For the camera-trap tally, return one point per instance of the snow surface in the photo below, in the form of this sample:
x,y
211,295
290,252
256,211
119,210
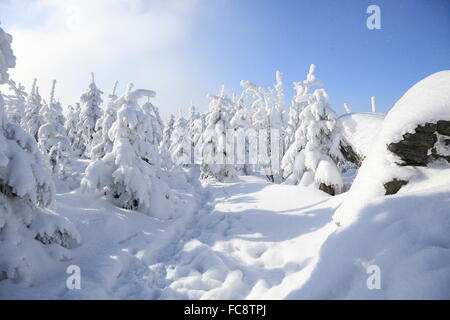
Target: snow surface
x,y
232,241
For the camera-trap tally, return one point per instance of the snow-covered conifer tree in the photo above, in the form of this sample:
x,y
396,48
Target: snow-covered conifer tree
x,y
196,128
216,163
267,120
167,133
277,125
180,147
102,142
32,119
155,121
194,116
71,124
53,134
15,103
241,123
27,226
299,102
52,111
128,174
89,115
309,160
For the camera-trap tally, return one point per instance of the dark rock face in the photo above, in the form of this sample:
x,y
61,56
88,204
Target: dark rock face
x,y
419,148
443,127
392,187
349,154
326,188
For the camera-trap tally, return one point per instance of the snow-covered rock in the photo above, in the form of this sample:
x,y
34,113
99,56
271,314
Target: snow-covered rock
x,y
383,172
355,133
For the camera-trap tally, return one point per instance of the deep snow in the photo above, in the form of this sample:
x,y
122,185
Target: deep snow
x,y
232,241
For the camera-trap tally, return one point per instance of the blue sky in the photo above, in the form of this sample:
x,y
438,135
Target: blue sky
x,y
260,37
185,49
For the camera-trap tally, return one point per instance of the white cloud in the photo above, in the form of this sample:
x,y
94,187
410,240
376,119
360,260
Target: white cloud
x,y
126,40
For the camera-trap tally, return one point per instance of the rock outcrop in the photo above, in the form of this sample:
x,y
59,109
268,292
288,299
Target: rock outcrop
x,y
429,142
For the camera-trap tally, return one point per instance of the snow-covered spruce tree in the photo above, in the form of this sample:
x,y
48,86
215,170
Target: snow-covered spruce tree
x,y
71,124
15,103
194,115
155,121
30,234
216,164
269,143
299,102
89,115
32,119
52,111
128,174
180,147
277,127
102,142
52,135
295,140
167,132
309,159
241,124
196,129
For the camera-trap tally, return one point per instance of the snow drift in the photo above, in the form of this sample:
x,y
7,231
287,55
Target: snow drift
x,y
405,235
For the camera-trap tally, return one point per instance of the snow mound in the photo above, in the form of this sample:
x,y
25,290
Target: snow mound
x,y
405,235
426,101
359,130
